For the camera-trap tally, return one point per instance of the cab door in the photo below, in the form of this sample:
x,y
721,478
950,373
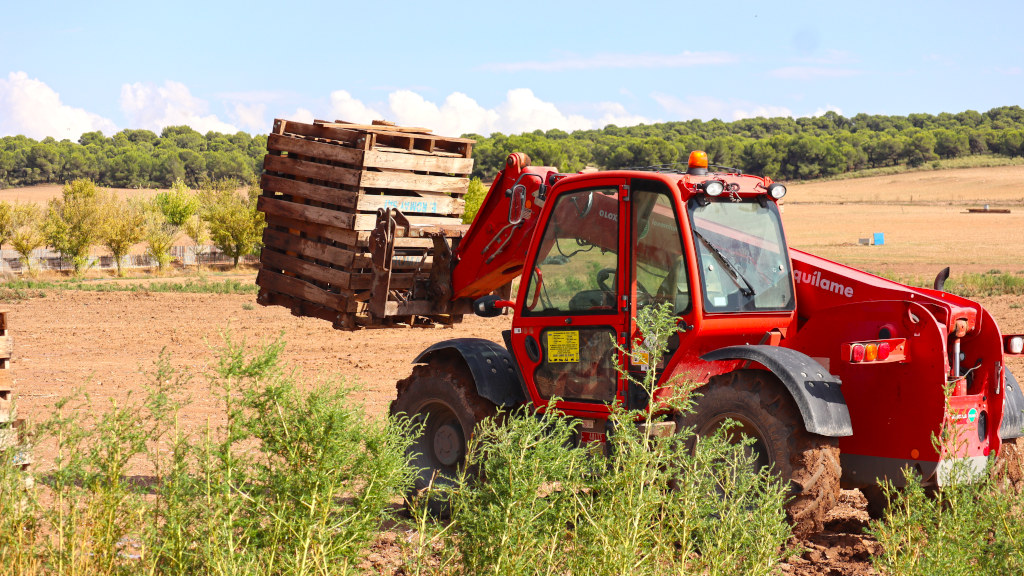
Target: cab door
x,y
659,274
574,306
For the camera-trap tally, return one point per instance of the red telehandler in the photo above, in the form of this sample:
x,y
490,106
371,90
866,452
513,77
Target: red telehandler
x,y
839,376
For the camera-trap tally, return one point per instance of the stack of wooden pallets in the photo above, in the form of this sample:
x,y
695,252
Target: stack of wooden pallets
x,y
10,424
325,186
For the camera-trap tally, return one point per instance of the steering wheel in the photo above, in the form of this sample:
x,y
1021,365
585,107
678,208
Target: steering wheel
x,y
602,279
643,297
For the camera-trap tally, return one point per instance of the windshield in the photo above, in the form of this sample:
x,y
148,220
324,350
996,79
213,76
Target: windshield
x,y
744,264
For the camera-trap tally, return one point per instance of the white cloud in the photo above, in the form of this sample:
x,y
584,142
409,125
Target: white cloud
x,y
598,61
251,117
300,115
707,108
615,113
459,114
154,107
31,108
345,107
827,108
521,111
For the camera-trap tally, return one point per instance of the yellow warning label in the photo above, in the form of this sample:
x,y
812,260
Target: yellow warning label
x,y
563,346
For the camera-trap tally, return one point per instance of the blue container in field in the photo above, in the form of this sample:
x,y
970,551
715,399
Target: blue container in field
x,y
879,238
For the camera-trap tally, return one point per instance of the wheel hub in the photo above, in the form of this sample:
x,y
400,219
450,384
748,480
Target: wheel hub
x,y
448,444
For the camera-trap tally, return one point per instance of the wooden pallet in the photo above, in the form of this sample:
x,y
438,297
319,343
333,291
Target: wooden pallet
x,y
324,185
10,424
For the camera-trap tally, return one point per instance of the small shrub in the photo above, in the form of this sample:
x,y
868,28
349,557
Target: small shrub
x,y
972,525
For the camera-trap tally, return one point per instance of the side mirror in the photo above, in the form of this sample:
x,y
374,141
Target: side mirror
x,y
490,306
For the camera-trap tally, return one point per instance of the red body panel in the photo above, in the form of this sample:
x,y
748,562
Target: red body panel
x,y
493,250
897,407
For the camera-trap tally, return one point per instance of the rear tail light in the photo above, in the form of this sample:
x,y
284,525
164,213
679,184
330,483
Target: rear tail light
x,y
857,353
871,352
884,348
891,350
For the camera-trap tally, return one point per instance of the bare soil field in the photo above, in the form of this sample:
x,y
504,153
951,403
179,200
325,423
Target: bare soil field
x,y
106,343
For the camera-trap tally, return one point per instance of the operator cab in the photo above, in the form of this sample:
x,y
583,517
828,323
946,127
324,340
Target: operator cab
x,y
710,244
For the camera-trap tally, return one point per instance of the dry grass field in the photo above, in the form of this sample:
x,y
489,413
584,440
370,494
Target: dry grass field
x,y
923,216
43,192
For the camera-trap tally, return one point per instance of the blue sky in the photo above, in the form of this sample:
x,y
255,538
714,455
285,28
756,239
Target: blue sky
x,y
70,67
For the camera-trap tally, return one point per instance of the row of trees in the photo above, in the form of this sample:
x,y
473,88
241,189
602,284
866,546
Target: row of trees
x,y
133,158
783,148
86,216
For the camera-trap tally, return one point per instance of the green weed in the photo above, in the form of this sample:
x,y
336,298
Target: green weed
x,y
17,288
972,525
294,480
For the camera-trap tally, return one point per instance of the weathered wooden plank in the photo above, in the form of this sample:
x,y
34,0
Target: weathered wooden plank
x,y
297,288
302,168
427,144
418,162
404,152
269,258
371,127
407,181
303,212
393,131
368,221
319,150
424,204
297,306
350,137
365,179
327,233
284,241
290,215
338,197
340,256
340,279
6,346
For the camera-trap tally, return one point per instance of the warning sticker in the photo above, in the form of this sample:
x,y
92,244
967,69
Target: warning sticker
x,y
642,358
563,346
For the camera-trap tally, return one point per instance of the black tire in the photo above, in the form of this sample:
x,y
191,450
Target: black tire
x,y
442,397
878,503
767,413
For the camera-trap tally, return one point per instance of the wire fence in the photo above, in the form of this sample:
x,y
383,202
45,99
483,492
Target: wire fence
x,y
46,259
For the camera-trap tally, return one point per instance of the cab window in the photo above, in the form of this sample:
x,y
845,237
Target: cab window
x,y
577,265
659,267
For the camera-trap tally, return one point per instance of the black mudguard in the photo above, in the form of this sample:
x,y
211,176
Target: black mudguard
x,y
816,392
1012,425
492,366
